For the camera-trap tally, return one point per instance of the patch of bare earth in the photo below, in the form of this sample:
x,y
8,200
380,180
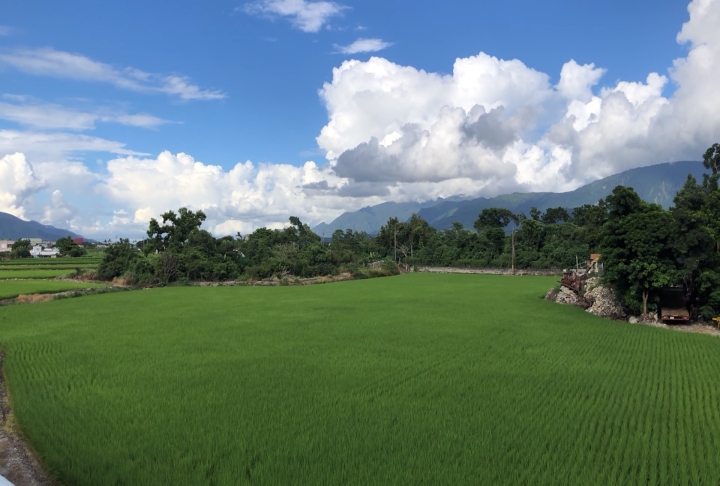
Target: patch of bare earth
x,y
274,281
18,464
33,298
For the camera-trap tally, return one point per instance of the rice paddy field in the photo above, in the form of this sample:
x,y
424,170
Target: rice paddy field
x,y
416,379
38,276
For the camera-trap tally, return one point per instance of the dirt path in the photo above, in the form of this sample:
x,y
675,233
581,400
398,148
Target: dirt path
x,y
701,328
17,462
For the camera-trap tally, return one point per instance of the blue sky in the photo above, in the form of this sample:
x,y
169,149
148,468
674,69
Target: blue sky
x,y
230,82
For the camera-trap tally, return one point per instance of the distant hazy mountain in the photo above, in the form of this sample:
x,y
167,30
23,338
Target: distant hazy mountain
x,y
13,228
655,183
371,218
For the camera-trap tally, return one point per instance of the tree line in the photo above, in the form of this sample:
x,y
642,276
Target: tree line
x,y
644,247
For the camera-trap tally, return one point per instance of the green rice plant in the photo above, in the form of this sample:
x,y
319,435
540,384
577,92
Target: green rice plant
x,y
49,261
15,268
10,289
420,378
31,274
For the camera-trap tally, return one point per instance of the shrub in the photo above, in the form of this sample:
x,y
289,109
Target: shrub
x,y
390,266
117,260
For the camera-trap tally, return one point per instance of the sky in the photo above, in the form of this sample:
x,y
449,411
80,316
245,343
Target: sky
x,y
113,113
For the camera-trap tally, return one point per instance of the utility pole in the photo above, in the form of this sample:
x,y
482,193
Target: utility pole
x,y
395,244
513,252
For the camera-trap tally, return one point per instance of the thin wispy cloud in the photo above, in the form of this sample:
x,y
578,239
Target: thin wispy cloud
x,y
49,62
363,45
53,116
305,15
5,30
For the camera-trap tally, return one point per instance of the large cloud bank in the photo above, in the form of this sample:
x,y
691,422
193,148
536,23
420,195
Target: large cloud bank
x,y
399,133
501,125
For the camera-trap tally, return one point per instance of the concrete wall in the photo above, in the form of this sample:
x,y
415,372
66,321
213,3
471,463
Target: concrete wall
x,y
491,271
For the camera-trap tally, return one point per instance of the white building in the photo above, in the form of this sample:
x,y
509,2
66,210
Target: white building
x,y
38,252
6,245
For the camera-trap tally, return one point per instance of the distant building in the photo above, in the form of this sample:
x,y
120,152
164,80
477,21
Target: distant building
x,y
33,241
594,265
6,245
78,240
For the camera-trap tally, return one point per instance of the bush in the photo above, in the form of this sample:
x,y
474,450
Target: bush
x,y
142,270
390,266
117,260
707,313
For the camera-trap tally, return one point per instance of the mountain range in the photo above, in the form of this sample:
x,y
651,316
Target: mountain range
x,y
655,183
14,228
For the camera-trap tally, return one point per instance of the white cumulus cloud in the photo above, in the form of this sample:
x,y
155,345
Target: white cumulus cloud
x,y
18,182
248,194
378,98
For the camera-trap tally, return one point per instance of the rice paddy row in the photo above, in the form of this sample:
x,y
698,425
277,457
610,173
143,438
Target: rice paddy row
x,y
438,379
35,274
49,262
12,289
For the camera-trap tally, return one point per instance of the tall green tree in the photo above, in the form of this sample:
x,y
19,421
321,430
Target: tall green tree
x,y
636,252
67,247
711,161
21,249
494,218
691,239
555,215
490,225
174,231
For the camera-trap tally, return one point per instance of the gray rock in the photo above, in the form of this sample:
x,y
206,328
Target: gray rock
x,y
551,295
604,303
567,296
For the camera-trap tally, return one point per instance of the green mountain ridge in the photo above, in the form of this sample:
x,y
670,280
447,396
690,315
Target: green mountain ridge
x,y
655,183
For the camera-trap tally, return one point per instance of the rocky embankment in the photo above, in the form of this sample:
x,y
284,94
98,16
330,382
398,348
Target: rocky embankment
x,y
600,300
593,297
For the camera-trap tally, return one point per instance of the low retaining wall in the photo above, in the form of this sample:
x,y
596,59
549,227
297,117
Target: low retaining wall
x,y
492,271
